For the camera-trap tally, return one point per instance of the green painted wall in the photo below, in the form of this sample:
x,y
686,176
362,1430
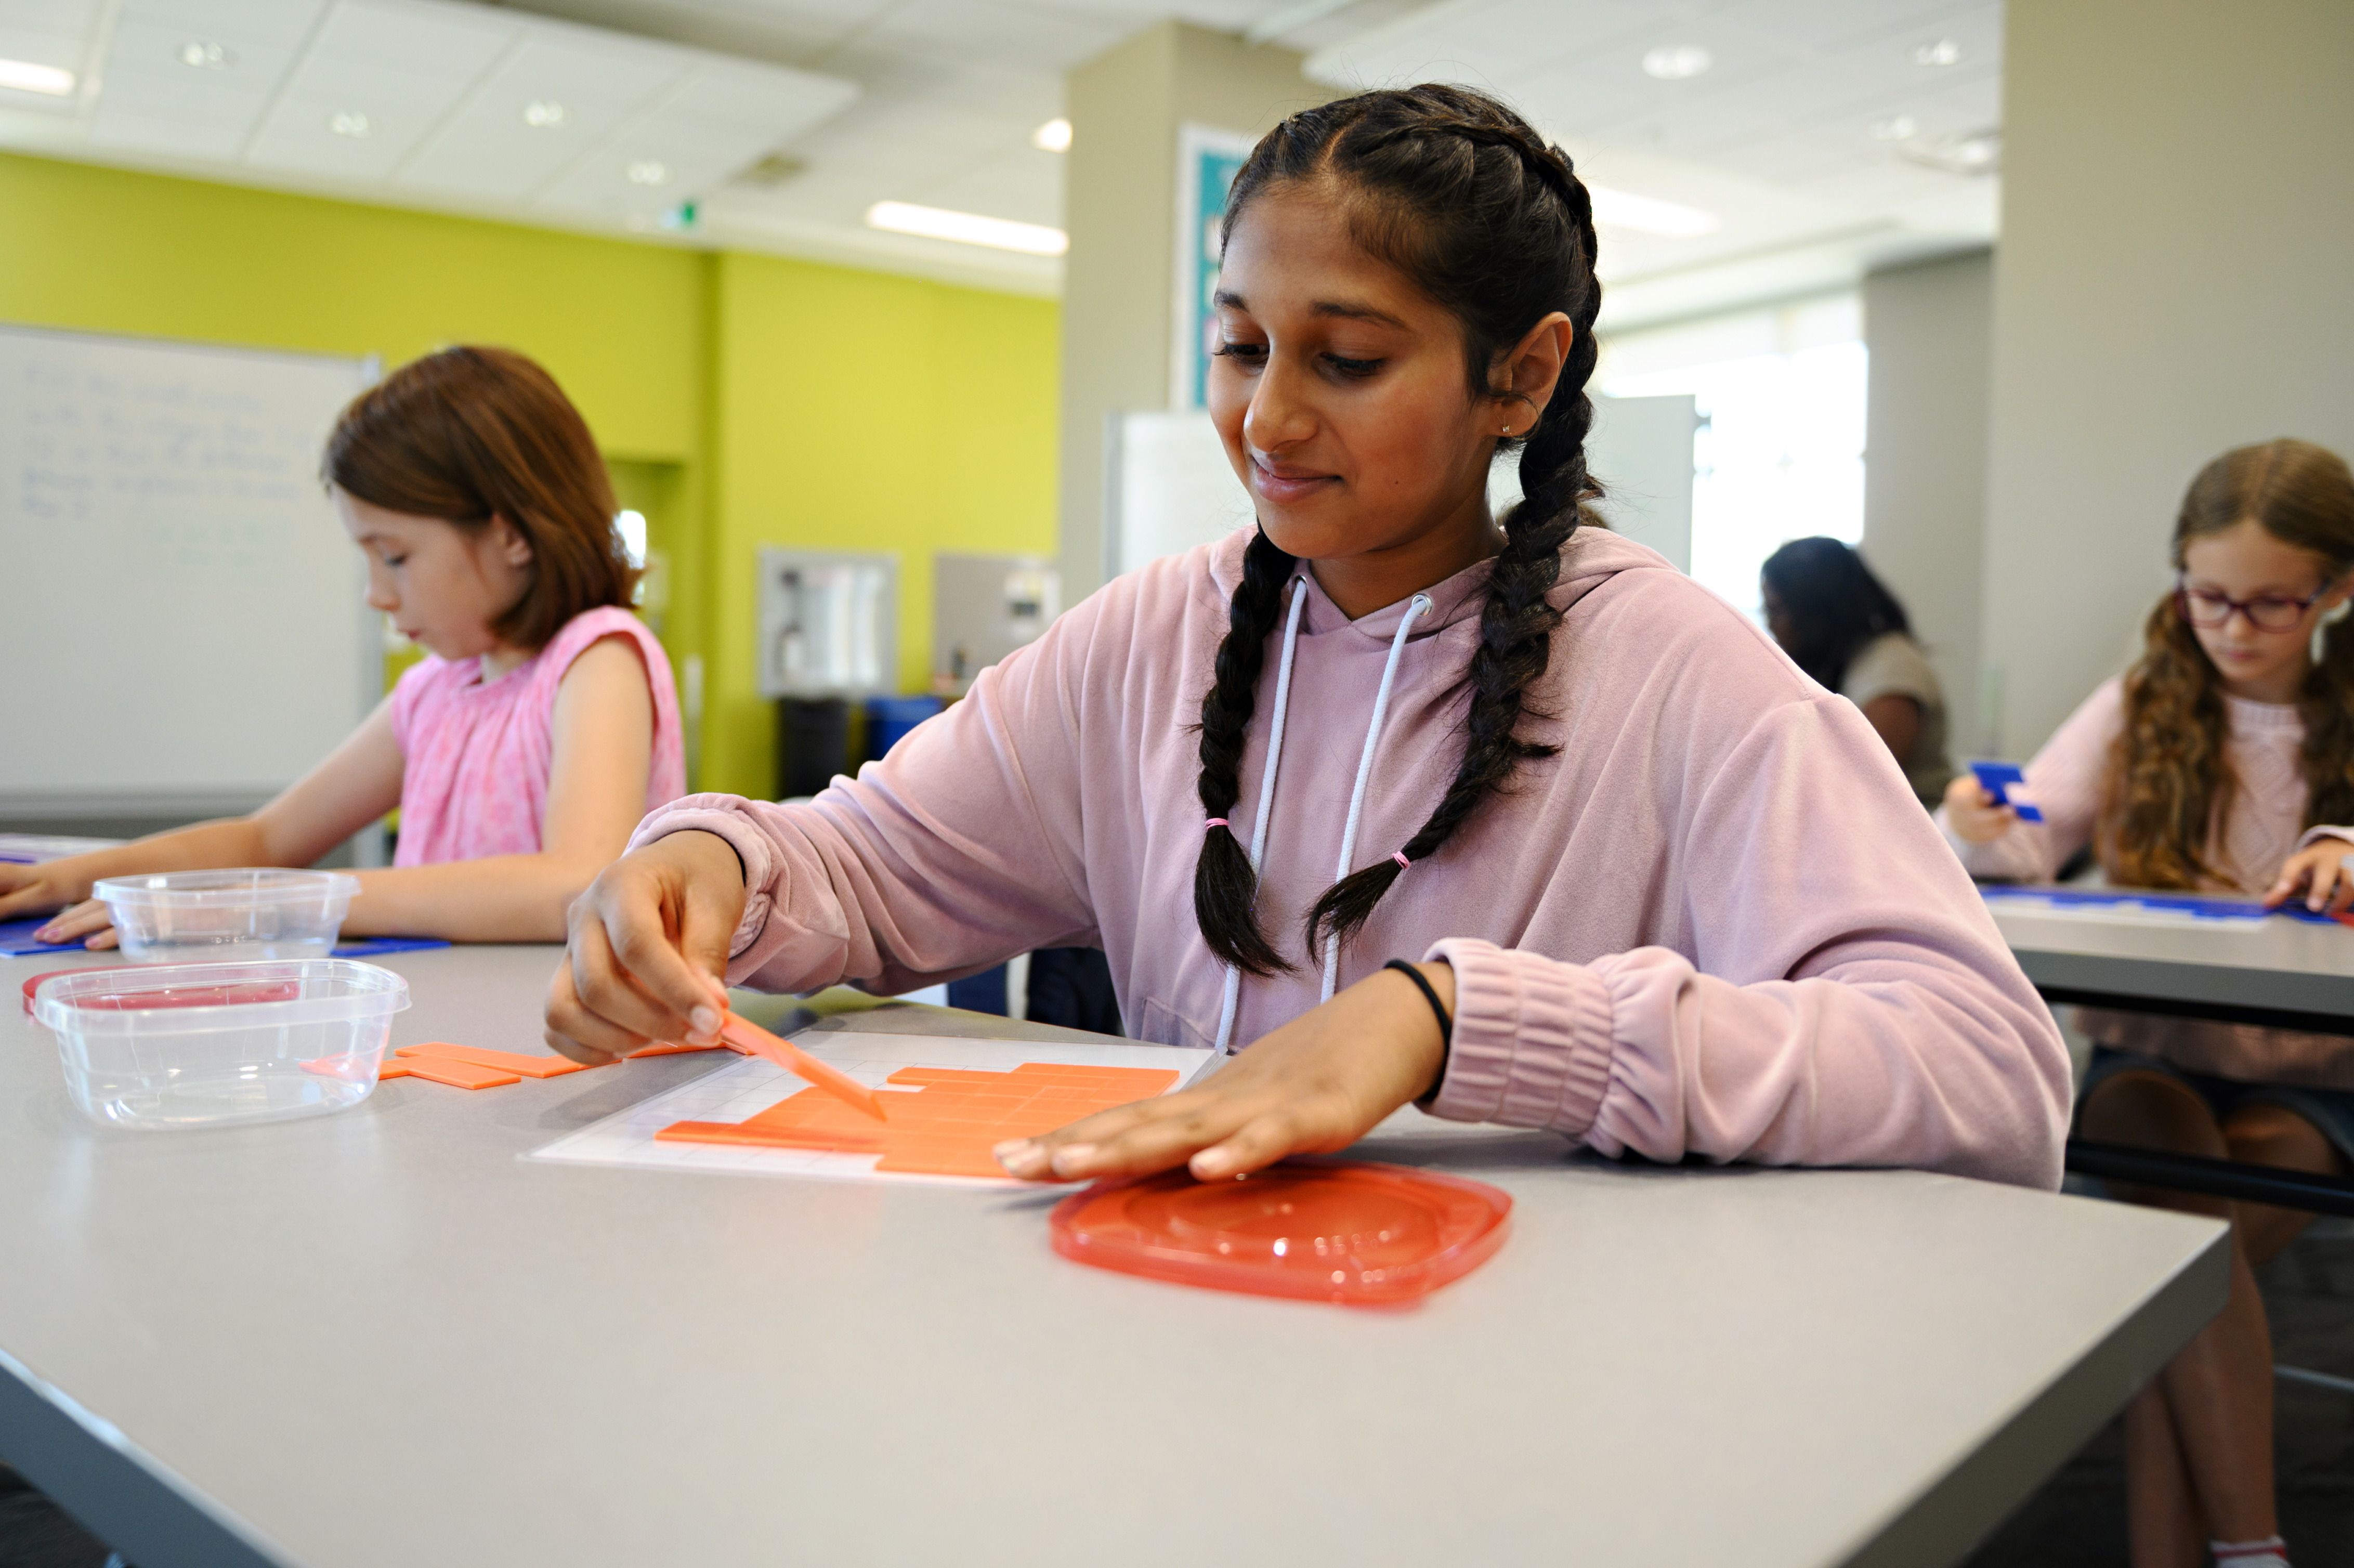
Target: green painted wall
x,y
744,400
856,411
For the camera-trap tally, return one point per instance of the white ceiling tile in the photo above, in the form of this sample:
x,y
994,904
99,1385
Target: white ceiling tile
x,y
1025,185
173,136
489,149
723,116
400,68
1010,34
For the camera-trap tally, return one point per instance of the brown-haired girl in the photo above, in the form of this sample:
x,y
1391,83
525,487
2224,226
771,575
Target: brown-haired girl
x,y
2218,761
545,724
1638,879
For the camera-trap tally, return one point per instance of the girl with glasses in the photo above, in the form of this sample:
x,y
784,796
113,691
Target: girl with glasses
x,y
2219,761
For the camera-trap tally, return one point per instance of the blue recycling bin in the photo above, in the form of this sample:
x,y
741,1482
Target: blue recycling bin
x,y
888,718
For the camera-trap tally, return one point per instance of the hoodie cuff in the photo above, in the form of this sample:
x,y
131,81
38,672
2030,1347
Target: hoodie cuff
x,y
2326,831
1532,1039
722,815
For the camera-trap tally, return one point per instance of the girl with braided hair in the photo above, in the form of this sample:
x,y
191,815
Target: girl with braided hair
x,y
2219,761
1638,879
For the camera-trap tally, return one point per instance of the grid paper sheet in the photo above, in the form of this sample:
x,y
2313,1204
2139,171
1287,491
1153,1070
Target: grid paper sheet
x,y
751,1085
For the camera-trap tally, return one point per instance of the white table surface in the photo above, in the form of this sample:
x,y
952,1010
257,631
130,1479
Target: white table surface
x,y
380,1340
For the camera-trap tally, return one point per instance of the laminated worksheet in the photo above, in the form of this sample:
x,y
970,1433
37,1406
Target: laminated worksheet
x,y
946,1100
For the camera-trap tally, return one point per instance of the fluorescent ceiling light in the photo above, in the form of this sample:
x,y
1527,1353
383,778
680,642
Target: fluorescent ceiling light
x,y
545,115
1674,62
27,77
349,123
967,228
1944,52
1055,136
646,171
1648,215
1897,128
205,56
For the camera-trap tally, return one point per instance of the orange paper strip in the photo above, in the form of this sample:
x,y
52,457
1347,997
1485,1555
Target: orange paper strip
x,y
529,1066
802,1065
458,1074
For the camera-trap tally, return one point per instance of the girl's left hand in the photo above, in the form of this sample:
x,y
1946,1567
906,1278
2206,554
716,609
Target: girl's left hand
x,y
1315,1085
2320,864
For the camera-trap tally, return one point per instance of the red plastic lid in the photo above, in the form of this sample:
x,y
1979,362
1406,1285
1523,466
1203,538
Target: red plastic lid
x,y
1327,1230
171,995
34,984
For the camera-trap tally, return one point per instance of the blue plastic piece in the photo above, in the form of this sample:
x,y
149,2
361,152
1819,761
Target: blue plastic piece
x,y
2000,779
889,718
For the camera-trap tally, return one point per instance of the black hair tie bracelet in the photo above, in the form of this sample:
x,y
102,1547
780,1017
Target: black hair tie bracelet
x,y
1446,1024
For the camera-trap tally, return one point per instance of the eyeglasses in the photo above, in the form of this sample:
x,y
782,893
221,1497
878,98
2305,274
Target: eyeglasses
x,y
2211,608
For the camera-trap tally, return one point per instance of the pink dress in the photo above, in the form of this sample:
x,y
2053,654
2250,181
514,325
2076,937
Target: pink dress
x,y
479,752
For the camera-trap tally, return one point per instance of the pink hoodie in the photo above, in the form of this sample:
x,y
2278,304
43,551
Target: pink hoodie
x,y
1716,923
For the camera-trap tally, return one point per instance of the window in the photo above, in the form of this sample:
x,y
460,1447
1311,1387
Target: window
x,y
1779,454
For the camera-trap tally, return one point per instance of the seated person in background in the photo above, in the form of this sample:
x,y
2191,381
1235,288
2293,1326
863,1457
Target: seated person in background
x,y
524,750
1842,627
2212,764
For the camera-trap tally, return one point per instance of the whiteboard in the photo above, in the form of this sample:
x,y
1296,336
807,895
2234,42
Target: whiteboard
x,y
1168,487
1641,451
184,628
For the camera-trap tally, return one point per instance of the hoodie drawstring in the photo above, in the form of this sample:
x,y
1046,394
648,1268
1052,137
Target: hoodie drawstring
x,y
1266,792
1365,770
1415,609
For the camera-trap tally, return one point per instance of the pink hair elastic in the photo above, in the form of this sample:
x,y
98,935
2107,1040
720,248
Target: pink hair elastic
x,y
1399,856
1215,822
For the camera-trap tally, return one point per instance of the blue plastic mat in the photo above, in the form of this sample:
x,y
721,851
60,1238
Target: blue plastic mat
x,y
376,946
2198,906
16,940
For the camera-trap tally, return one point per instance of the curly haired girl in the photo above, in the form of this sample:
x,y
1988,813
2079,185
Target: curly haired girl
x,y
2217,761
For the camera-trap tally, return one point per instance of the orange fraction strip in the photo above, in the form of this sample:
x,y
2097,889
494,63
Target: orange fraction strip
x,y
949,1126
742,1033
459,1075
529,1066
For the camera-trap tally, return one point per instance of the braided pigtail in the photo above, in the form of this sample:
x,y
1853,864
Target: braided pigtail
x,y
1461,195
1226,888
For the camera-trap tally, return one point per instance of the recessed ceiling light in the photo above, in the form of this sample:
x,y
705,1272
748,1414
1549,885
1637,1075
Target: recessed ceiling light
x,y
1897,128
349,123
646,171
968,227
205,56
1055,136
1648,215
1674,62
544,114
1944,52
27,77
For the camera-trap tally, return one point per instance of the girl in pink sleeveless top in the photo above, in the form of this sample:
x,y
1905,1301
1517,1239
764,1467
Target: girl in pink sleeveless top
x,y
544,725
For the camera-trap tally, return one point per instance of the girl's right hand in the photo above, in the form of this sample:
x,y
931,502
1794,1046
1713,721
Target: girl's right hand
x,y
1973,812
647,957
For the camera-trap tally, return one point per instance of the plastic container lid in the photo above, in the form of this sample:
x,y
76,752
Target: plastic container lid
x,y
243,887
206,997
1325,1230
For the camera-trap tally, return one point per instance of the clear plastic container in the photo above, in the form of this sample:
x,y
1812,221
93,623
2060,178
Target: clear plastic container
x,y
228,916
181,1045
